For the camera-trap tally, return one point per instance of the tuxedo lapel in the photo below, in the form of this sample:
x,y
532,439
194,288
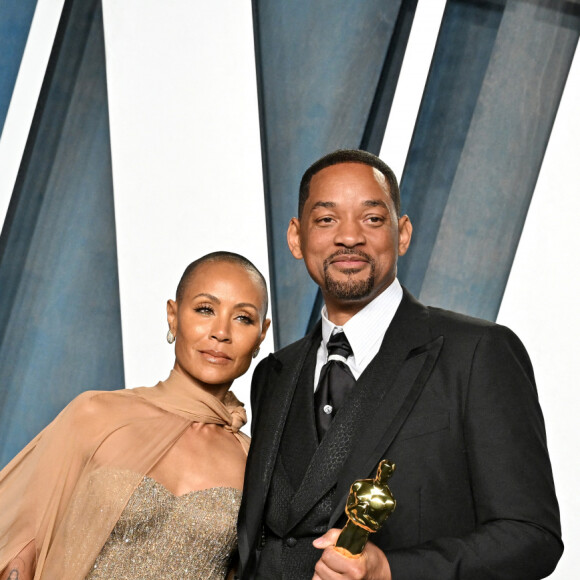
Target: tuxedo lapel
x,y
374,411
300,439
387,419
276,389
408,352
277,397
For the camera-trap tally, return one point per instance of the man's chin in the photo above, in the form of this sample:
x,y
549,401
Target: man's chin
x,y
349,290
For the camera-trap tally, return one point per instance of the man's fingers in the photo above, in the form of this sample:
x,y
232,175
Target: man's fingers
x,y
328,539
327,569
340,563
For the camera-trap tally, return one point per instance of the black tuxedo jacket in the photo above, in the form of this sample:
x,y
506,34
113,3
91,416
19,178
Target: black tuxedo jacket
x,y
452,401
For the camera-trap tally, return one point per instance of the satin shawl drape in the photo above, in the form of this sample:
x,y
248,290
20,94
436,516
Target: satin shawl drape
x,y
67,488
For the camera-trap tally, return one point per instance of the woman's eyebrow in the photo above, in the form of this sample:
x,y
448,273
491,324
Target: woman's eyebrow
x,y
206,295
246,305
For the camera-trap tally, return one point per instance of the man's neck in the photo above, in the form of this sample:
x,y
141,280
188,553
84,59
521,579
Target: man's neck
x,y
339,312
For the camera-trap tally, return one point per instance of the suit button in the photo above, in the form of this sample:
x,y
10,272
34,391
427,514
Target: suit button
x,y
291,542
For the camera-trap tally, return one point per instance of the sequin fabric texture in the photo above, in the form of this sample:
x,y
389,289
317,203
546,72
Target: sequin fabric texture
x,y
163,536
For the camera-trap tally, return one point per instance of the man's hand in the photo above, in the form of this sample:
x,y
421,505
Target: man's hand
x,y
371,565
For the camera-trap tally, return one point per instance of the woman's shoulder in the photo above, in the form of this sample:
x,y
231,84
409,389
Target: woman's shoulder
x,y
88,399
93,407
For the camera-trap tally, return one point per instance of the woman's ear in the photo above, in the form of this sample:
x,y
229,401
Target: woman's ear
x,y
172,315
265,326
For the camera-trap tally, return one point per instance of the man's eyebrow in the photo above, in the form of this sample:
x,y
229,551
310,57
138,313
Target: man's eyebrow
x,y
375,203
325,204
366,203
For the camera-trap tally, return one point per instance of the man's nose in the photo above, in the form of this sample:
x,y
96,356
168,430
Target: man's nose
x,y
349,233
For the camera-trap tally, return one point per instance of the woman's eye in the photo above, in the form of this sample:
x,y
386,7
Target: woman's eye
x,y
245,319
204,309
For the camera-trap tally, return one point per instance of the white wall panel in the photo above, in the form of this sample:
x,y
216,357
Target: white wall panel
x,y
411,84
186,157
541,304
25,96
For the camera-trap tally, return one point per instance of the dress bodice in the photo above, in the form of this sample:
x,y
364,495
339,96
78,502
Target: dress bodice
x,y
163,536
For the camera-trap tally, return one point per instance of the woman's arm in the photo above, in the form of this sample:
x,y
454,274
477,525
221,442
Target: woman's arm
x,y
22,566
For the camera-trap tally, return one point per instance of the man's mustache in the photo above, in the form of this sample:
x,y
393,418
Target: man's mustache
x,y
347,252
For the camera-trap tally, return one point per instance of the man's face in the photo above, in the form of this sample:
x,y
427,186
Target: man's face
x,y
349,235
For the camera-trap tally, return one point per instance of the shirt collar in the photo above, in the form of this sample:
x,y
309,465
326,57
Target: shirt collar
x,y
368,326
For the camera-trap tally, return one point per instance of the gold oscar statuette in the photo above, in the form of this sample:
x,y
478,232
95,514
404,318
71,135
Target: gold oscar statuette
x,y
369,503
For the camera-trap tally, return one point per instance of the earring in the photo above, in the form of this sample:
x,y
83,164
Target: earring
x,y
170,337
256,352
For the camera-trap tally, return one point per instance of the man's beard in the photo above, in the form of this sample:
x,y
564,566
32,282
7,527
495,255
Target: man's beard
x,y
349,289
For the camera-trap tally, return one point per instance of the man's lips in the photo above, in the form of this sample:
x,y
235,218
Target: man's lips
x,y
215,356
349,261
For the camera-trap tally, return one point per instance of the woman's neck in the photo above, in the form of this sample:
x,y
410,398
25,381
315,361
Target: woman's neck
x,y
218,391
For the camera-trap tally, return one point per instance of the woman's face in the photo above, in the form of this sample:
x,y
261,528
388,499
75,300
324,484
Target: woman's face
x,y
217,324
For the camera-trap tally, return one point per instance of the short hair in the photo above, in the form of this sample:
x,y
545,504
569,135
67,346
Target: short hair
x,y
222,256
349,156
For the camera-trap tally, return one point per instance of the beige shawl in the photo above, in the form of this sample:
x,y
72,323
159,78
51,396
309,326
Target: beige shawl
x,y
67,488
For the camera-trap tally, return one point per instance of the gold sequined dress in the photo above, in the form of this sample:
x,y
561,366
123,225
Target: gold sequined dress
x,y
160,535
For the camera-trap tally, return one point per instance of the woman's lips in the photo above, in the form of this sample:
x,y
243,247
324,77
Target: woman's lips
x,y
215,356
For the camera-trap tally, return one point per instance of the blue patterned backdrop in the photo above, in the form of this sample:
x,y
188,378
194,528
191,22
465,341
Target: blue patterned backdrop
x,y
327,77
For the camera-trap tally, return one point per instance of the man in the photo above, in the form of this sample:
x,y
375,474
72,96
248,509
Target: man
x,y
451,400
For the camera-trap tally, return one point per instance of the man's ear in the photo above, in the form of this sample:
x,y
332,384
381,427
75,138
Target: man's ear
x,y
293,237
405,233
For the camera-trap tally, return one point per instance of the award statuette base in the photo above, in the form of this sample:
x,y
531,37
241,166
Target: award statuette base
x,y
369,503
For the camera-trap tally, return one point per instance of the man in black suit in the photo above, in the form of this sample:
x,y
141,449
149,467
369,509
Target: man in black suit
x,y
451,400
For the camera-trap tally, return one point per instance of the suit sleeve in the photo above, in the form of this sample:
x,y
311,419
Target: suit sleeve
x,y
250,515
258,383
517,533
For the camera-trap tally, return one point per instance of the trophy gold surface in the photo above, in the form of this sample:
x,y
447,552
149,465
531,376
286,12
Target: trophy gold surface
x,y
369,503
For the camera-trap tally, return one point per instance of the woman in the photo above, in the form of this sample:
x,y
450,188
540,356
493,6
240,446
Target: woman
x,y
146,483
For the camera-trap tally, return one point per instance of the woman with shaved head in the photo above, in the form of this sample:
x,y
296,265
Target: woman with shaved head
x,y
146,483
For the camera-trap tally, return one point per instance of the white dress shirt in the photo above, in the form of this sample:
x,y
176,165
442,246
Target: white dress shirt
x,y
365,330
